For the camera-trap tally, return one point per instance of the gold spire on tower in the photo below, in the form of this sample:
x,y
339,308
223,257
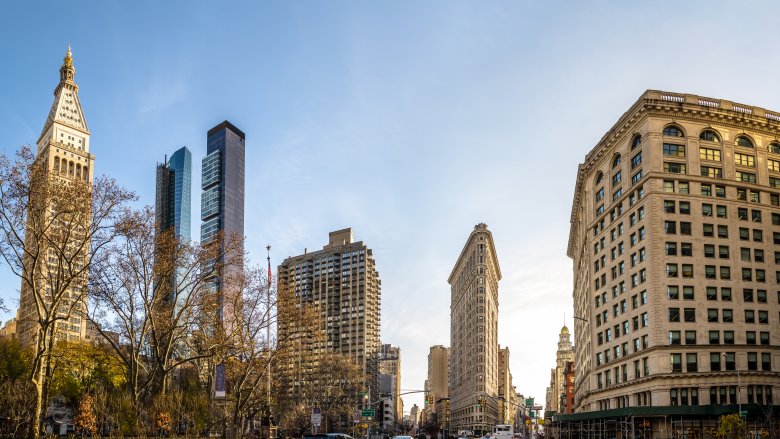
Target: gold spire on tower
x,y
67,72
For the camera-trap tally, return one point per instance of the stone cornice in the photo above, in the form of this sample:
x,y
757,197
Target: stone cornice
x,y
655,103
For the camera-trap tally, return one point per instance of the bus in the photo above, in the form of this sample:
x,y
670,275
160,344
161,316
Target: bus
x,y
504,432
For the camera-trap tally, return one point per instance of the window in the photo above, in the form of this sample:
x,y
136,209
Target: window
x,y
750,337
714,337
691,363
750,316
685,228
677,168
615,161
676,360
617,178
723,251
672,150
690,337
725,294
720,191
709,251
599,177
671,270
687,291
686,249
709,136
728,315
752,361
669,206
670,227
766,361
669,186
707,230
721,211
773,165
709,154
599,194
706,190
673,293
712,315
715,361
712,294
706,209
725,272
774,148
709,171
709,272
763,317
747,295
744,142
636,160
689,314
728,337
744,254
636,177
764,338
673,131
636,141
747,177
761,296
744,160
687,271
685,208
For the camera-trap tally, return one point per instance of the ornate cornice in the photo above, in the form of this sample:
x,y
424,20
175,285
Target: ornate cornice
x,y
655,103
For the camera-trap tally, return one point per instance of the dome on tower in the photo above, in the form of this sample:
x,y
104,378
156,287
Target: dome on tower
x,y
564,330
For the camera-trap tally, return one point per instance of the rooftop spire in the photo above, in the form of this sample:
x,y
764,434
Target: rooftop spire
x,y
67,72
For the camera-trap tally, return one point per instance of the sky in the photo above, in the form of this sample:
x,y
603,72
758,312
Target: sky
x,y
408,121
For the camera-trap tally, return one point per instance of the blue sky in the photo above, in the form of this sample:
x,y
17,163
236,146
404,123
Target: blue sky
x,y
408,121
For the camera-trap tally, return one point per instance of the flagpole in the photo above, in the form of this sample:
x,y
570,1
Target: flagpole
x,y
268,339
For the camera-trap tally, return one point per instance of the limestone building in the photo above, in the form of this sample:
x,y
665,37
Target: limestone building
x,y
507,394
436,386
390,364
563,355
63,154
342,284
674,230
473,380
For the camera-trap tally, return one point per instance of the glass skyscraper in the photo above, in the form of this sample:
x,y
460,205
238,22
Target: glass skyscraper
x,y
174,194
222,210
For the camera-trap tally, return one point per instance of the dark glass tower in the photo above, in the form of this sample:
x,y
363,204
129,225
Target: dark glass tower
x,y
222,210
172,207
222,200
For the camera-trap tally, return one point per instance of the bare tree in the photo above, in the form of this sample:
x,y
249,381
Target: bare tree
x,y
51,227
150,302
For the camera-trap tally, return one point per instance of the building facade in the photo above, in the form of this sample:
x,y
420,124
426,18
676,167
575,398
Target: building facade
x,y
507,394
563,355
173,198
437,384
63,153
473,356
342,283
390,364
674,232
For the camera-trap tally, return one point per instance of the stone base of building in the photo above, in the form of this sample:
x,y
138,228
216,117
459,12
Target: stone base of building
x,y
670,422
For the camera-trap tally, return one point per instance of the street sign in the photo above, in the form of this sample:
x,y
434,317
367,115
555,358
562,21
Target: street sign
x,y
316,417
533,414
529,402
743,413
368,413
538,407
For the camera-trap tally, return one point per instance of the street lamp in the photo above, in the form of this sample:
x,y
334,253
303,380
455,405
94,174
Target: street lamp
x,y
739,383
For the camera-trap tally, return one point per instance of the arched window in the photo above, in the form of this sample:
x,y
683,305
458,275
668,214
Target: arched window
x,y
615,161
774,147
599,177
86,173
70,168
709,136
56,164
636,141
78,170
744,142
673,131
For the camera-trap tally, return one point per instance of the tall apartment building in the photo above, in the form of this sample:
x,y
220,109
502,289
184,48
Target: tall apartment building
x,y
437,384
674,232
222,211
173,197
342,283
63,151
564,354
222,182
390,364
474,334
